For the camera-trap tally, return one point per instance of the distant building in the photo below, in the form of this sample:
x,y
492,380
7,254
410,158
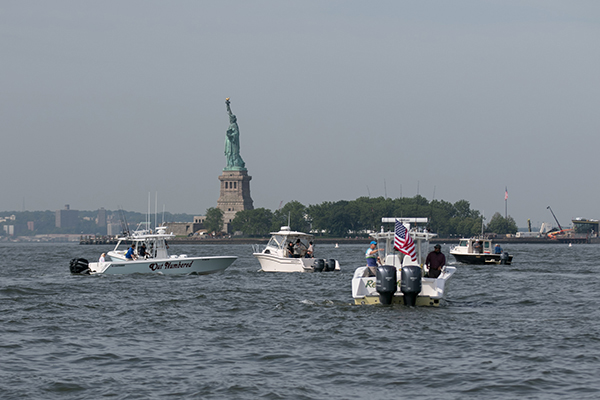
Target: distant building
x,y
101,221
66,218
31,225
113,229
587,226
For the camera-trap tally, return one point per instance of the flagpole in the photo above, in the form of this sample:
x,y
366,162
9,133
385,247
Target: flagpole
x,y
505,202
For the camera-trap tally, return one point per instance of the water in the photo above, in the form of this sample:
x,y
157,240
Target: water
x,y
528,330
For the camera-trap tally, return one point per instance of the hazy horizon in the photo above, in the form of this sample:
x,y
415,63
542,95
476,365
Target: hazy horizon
x,y
105,102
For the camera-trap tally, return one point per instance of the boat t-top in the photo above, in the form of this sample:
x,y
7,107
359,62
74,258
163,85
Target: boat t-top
x,y
150,254
279,256
398,279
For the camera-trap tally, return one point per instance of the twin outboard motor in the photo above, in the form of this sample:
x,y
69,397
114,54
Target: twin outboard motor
x,y
318,265
503,257
410,284
330,265
79,266
386,283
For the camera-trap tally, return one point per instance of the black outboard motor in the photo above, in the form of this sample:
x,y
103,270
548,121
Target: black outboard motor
x,y
79,266
318,265
410,284
503,257
330,265
386,283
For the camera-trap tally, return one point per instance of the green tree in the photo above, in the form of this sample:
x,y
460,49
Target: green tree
x,y
214,220
257,222
295,212
499,224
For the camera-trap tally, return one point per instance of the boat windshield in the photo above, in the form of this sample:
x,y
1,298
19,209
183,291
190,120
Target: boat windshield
x,y
276,241
463,243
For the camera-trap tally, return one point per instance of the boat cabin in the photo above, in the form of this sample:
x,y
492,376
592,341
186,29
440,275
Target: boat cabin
x,y
469,246
155,244
279,242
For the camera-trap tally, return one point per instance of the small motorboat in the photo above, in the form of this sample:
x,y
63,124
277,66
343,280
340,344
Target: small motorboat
x,y
275,257
155,258
398,279
479,250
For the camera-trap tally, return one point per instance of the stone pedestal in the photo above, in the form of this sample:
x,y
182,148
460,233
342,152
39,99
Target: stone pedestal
x,y
235,195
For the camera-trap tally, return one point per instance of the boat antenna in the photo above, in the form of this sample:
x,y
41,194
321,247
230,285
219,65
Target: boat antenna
x,y
431,207
385,189
124,224
148,214
155,209
482,219
289,214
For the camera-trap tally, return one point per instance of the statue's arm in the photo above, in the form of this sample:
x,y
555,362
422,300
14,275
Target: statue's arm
x,y
228,106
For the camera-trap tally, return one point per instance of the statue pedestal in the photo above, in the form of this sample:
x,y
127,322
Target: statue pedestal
x,y
235,195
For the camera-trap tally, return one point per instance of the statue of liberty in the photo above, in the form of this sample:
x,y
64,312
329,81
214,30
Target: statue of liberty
x,y
232,144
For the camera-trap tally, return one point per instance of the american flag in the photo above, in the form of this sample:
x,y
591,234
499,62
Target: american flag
x,y
505,194
403,242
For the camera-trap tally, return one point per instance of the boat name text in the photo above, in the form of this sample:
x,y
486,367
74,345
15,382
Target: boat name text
x,y
169,265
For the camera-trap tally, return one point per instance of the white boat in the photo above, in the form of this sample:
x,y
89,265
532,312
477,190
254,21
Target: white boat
x,y
432,290
467,251
274,257
156,260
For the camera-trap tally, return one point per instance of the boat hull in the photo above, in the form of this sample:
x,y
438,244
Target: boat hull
x,y
422,301
274,263
432,289
480,259
170,266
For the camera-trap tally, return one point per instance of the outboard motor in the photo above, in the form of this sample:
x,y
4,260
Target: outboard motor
x,y
330,265
318,265
79,266
503,257
410,284
386,283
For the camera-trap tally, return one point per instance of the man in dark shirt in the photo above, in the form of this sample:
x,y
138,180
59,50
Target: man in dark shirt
x,y
435,261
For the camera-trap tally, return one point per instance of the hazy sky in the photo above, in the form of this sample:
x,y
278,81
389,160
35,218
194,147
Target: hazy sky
x,y
103,102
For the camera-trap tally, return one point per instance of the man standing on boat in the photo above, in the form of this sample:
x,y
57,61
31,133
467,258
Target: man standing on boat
x,y
372,257
435,261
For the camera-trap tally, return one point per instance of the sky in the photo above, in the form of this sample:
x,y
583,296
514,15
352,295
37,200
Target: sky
x,y
107,103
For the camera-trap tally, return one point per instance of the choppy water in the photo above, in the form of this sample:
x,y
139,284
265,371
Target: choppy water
x,y
529,330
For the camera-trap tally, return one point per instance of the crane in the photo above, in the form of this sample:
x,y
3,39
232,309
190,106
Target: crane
x,y
552,235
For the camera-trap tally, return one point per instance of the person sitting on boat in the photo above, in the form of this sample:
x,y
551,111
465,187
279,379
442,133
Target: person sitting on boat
x,y
435,261
130,255
497,249
290,250
310,252
102,259
299,249
477,247
142,251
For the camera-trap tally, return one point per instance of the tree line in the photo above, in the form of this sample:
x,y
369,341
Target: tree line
x,y
357,217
